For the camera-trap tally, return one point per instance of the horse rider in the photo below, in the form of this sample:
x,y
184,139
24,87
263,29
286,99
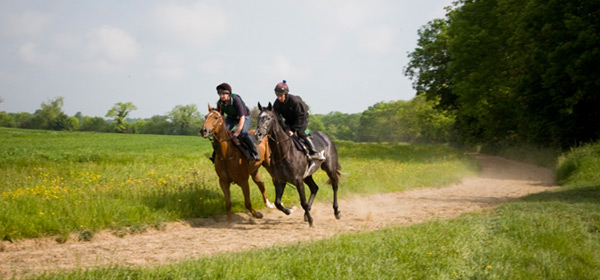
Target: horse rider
x,y
237,113
295,113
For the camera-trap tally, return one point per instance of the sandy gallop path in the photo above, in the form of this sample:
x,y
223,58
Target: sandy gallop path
x,y
500,180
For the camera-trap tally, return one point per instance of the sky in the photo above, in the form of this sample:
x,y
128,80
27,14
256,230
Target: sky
x,y
338,55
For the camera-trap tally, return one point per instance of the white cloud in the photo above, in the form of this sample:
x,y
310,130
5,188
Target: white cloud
x,y
376,39
6,76
368,22
282,67
351,14
170,66
200,23
66,41
27,24
214,67
30,54
109,47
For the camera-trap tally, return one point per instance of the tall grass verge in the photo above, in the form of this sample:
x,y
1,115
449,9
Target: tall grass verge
x,y
541,156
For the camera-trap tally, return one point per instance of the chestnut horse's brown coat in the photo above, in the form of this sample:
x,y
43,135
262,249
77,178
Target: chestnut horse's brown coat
x,y
230,163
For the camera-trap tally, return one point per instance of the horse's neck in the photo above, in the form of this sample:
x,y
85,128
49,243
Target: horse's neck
x,y
222,136
278,132
282,141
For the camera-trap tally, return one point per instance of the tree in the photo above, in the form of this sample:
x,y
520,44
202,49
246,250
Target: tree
x,y
51,115
428,64
559,42
159,125
424,123
186,119
515,71
23,119
254,112
381,123
119,112
6,120
337,125
97,124
315,124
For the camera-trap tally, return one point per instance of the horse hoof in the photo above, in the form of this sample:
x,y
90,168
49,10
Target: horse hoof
x,y
258,215
338,215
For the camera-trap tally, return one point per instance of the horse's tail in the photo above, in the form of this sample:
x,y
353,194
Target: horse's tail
x,y
337,175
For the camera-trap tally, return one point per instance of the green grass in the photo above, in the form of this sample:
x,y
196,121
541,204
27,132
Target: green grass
x,y
541,156
550,235
57,183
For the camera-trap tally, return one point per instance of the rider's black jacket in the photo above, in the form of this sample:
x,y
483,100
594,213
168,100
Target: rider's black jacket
x,y
294,111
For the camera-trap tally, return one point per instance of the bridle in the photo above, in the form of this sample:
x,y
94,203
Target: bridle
x,y
277,142
211,137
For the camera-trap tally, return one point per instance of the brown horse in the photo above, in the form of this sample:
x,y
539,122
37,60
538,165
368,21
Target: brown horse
x,y
230,163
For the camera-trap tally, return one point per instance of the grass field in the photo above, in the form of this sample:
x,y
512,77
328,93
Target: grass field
x,y
551,235
58,183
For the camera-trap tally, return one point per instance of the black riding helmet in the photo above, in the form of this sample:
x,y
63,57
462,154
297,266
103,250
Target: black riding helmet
x,y
224,88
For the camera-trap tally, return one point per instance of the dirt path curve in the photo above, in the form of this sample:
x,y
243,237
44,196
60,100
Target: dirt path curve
x,y
500,180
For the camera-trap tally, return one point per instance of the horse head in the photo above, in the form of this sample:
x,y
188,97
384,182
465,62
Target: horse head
x,y
212,122
266,121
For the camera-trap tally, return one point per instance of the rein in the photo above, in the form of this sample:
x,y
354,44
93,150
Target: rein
x,y
279,147
279,142
222,140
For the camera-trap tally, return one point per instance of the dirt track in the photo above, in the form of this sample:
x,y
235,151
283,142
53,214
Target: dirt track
x,y
500,180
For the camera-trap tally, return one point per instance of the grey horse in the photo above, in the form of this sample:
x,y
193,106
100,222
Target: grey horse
x,y
291,165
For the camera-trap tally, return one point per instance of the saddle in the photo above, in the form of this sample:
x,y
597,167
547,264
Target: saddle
x,y
319,144
318,141
243,146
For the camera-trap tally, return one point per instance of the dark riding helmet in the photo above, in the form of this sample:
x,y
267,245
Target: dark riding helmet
x,y
282,88
224,88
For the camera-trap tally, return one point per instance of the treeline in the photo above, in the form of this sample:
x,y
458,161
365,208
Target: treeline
x,y
398,121
182,120
514,71
412,121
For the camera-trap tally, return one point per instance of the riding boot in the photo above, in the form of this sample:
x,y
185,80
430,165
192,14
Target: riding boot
x,y
251,147
311,149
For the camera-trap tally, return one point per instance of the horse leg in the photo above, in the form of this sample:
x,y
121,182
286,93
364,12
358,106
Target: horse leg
x,y
246,191
313,190
261,186
336,212
332,173
300,187
225,188
279,188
